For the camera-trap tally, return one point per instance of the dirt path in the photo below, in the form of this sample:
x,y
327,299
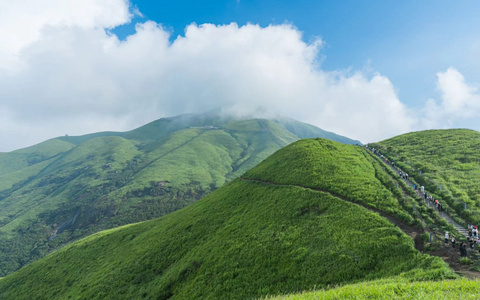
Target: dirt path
x,y
442,214
450,255
412,231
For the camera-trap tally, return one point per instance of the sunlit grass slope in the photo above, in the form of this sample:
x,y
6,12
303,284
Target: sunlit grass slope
x,y
248,239
69,187
345,170
396,289
449,161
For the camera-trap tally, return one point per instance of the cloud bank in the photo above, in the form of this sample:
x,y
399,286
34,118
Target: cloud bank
x,y
64,72
459,101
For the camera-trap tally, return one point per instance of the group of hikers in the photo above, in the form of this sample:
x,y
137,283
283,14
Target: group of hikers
x,y
472,239
426,196
404,175
473,235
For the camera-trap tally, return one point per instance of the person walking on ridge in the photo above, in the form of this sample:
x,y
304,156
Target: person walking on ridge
x,y
446,238
463,250
453,242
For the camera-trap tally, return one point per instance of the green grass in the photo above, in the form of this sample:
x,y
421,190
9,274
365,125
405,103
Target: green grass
x,y
345,170
396,289
23,158
67,188
449,162
246,240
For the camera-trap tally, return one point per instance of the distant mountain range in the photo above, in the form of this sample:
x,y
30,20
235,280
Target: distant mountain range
x,y
70,187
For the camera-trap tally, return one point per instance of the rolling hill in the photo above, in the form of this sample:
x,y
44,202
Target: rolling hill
x,y
446,162
70,187
314,214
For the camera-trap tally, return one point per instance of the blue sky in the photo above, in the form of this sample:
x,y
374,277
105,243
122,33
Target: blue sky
x,y
407,41
368,70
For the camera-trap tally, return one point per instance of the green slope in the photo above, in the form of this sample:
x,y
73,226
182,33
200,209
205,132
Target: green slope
x,y
23,158
269,232
446,162
67,188
397,289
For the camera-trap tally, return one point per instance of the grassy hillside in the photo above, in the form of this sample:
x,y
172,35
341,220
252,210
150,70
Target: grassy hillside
x,y
269,233
69,187
446,162
396,289
17,160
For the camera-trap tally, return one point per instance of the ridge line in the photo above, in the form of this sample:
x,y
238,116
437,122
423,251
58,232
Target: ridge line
x,y
397,222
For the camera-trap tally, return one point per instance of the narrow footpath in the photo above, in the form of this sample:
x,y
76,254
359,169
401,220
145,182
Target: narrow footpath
x,y
450,255
414,232
442,214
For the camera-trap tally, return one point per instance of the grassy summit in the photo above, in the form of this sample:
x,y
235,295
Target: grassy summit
x,y
269,233
69,187
446,162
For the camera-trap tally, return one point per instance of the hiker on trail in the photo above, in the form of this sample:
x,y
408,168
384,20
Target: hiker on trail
x,y
463,250
453,242
415,187
472,244
425,195
470,233
440,206
446,238
401,174
422,189
406,176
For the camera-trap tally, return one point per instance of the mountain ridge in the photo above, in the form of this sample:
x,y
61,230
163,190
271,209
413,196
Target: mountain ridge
x,y
69,187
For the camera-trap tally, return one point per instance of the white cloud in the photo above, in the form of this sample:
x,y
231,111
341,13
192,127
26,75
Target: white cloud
x,y
70,76
22,21
459,102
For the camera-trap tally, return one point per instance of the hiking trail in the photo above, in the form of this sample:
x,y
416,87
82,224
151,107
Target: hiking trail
x,y
450,255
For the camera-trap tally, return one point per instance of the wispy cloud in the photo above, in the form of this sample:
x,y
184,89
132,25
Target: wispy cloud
x,y
459,101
